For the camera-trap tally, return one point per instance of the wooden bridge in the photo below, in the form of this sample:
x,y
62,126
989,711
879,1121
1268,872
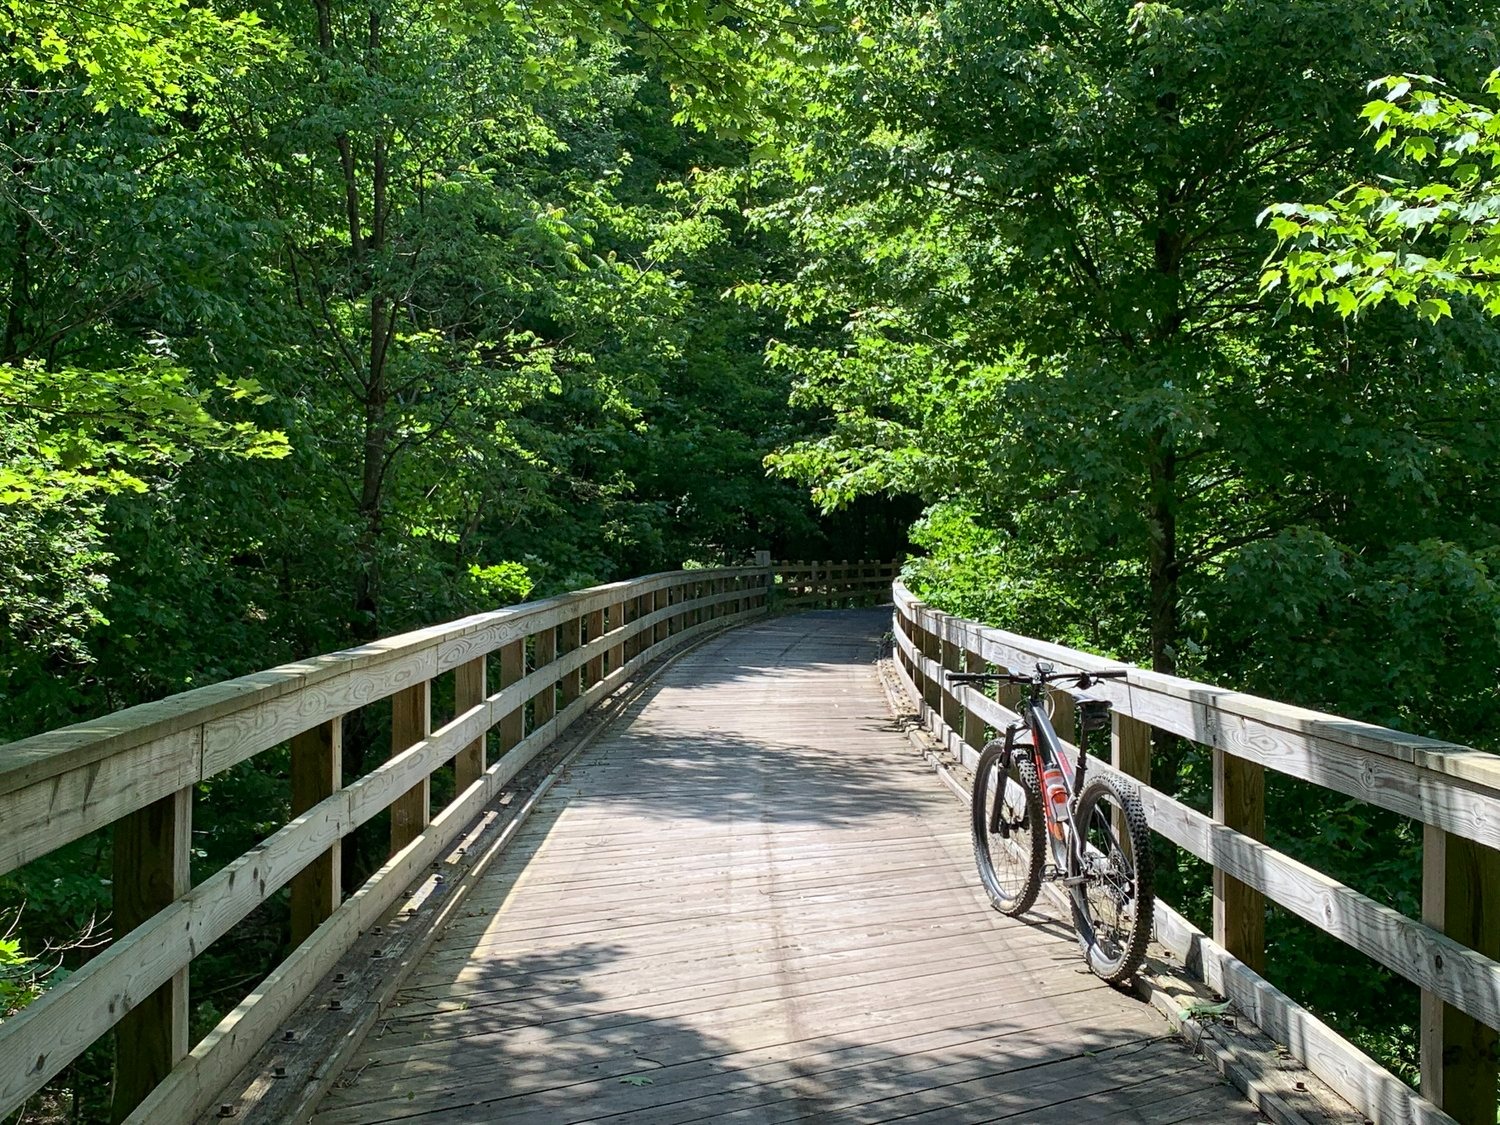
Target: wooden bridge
x,y
694,867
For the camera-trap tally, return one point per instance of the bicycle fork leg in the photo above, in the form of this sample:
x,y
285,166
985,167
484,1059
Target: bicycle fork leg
x,y
1002,783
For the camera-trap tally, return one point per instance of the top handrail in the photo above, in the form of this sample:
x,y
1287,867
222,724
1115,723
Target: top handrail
x,y
38,757
1149,696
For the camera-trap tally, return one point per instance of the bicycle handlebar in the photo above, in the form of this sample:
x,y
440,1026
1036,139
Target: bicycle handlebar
x,y
1084,680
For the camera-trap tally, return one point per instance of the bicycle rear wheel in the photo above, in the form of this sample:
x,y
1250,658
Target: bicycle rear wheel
x,y
1006,817
1115,899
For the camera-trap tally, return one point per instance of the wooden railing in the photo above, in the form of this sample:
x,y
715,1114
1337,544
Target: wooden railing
x,y
1454,791
136,771
833,584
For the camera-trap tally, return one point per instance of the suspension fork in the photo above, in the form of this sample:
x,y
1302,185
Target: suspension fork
x,y
1002,779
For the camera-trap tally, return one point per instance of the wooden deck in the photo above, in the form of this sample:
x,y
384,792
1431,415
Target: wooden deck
x,y
751,901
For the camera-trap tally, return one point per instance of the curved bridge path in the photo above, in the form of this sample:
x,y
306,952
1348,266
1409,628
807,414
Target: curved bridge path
x,y
751,901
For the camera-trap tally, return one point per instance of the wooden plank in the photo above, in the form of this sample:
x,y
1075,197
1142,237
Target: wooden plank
x,y
1239,802
225,1050
973,724
232,738
42,757
930,646
411,723
593,671
569,637
619,617
1404,773
511,725
470,689
1063,714
1463,977
543,653
1459,1052
221,1054
951,657
31,761
317,773
660,613
152,853
1130,747
1350,1072
67,806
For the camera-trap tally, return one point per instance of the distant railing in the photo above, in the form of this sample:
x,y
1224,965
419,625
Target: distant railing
x,y
136,770
809,585
1454,791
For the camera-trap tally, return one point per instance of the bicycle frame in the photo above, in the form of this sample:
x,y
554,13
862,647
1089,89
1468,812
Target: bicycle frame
x,y
1046,750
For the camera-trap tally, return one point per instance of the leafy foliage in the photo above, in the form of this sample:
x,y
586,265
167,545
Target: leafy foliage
x,y
1418,238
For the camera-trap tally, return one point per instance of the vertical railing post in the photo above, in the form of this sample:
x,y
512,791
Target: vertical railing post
x,y
1239,801
619,616
593,671
1460,881
1130,753
1062,714
931,648
1130,747
951,657
544,702
632,614
512,725
469,691
411,721
1009,696
659,601
152,853
317,772
569,637
973,732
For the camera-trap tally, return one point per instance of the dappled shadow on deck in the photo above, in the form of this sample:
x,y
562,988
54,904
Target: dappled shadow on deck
x,y
750,902
560,1049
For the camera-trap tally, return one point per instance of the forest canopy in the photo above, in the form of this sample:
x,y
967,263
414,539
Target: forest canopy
x,y
323,321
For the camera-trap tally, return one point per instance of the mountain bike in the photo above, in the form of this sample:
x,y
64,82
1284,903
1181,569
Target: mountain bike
x,y
1029,799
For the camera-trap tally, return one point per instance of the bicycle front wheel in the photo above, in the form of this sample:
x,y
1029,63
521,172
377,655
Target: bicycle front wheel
x,y
1115,898
1006,810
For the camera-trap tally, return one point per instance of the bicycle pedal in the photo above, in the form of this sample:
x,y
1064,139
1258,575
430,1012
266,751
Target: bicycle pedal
x,y
1053,873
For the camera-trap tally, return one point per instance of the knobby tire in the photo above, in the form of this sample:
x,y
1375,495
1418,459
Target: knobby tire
x,y
1115,901
1010,861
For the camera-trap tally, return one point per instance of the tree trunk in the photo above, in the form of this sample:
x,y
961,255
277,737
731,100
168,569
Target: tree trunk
x,y
1161,519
